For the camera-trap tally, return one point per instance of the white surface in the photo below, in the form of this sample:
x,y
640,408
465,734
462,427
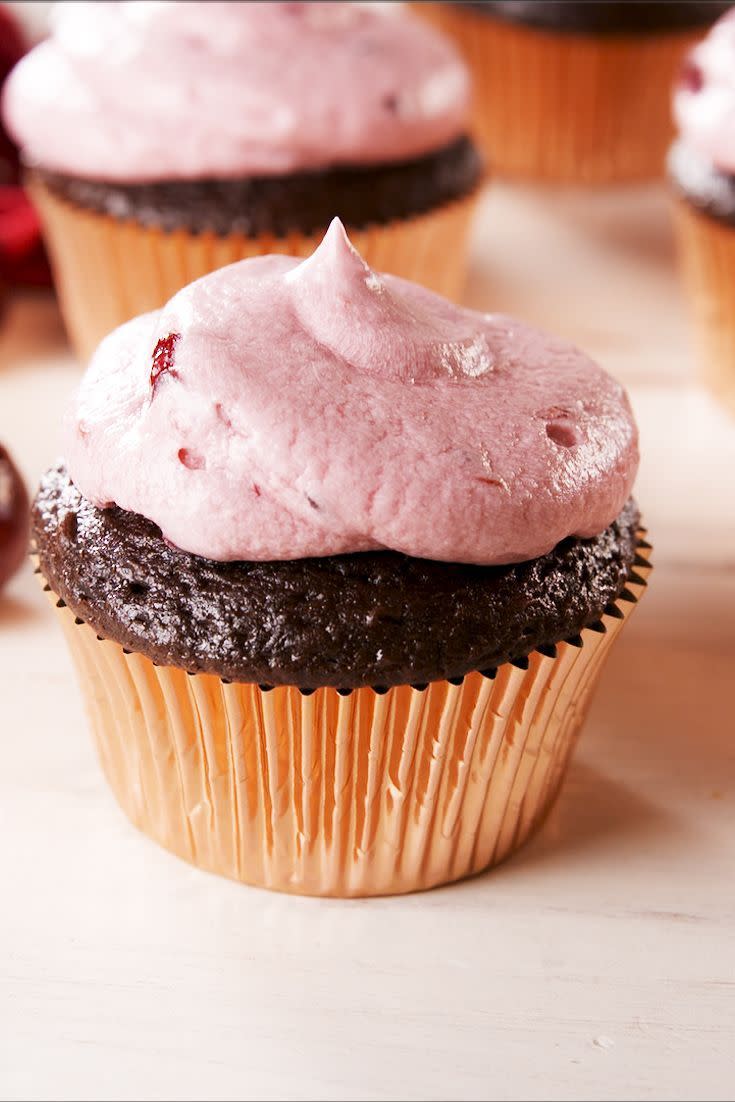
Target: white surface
x,y
599,963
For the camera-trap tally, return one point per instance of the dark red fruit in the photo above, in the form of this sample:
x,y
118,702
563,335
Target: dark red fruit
x,y
14,517
12,48
163,358
22,257
690,76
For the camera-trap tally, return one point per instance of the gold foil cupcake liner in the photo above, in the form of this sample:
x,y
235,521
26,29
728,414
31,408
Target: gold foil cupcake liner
x,y
107,271
707,251
339,793
563,107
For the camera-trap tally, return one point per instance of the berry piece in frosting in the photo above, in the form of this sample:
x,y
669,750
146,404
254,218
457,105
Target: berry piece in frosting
x,y
704,97
14,517
322,408
690,76
163,358
190,459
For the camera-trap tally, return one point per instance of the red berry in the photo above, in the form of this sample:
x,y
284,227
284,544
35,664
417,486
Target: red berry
x,y
163,358
21,252
13,517
12,42
12,48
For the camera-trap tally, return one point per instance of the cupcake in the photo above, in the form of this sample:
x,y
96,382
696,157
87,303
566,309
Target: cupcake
x,y
166,140
339,562
574,92
702,170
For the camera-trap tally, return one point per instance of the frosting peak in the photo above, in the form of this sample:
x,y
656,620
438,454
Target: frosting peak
x,y
141,91
704,99
279,409
365,320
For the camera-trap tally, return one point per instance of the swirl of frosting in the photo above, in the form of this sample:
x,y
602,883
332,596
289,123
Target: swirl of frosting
x,y
704,98
144,91
281,409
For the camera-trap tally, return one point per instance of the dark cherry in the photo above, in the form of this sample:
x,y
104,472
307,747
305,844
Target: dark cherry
x,y
12,48
14,517
163,358
690,76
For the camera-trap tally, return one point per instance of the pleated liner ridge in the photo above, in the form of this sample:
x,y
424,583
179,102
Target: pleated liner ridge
x,y
334,793
108,271
707,250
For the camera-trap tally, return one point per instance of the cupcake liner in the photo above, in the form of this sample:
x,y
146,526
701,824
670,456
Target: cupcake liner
x,y
568,108
340,793
707,252
107,271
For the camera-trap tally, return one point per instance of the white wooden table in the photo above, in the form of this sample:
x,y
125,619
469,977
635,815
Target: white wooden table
x,y
600,963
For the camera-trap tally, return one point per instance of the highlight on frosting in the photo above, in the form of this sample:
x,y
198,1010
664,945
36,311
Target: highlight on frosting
x,y
704,98
281,409
141,91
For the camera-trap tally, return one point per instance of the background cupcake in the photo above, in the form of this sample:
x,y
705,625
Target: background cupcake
x,y
169,139
702,168
574,92
364,671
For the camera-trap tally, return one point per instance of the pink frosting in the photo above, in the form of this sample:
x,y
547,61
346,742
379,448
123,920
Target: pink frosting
x,y
145,91
704,99
279,408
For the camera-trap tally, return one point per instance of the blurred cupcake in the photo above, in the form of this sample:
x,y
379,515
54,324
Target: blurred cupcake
x,y
574,92
167,140
702,169
338,633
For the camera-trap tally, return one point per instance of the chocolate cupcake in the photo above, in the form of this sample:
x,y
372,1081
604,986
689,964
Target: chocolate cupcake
x,y
339,581
702,171
167,140
574,92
